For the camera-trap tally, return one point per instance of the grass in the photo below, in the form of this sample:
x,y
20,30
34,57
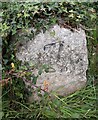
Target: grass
x,y
81,104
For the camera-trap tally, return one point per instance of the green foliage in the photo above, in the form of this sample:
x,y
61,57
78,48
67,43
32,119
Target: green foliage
x,y
21,16
40,15
81,104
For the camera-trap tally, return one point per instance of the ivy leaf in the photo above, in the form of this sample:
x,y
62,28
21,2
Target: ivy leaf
x,y
26,14
14,31
40,71
35,79
71,15
18,15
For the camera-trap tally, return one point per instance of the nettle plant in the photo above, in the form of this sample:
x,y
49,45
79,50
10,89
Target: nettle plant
x,y
21,16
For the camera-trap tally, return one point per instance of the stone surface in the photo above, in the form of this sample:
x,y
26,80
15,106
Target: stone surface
x,y
65,51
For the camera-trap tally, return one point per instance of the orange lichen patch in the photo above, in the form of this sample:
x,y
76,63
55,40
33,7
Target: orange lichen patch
x,y
46,85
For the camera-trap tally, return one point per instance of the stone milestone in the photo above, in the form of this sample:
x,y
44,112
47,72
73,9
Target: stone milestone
x,y
65,51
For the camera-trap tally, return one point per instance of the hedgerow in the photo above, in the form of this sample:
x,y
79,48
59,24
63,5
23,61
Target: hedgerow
x,y
21,16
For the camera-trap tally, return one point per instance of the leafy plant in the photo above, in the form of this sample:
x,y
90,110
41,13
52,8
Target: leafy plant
x,y
21,16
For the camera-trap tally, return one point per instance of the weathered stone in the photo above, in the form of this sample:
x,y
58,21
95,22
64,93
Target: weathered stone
x,y
66,52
